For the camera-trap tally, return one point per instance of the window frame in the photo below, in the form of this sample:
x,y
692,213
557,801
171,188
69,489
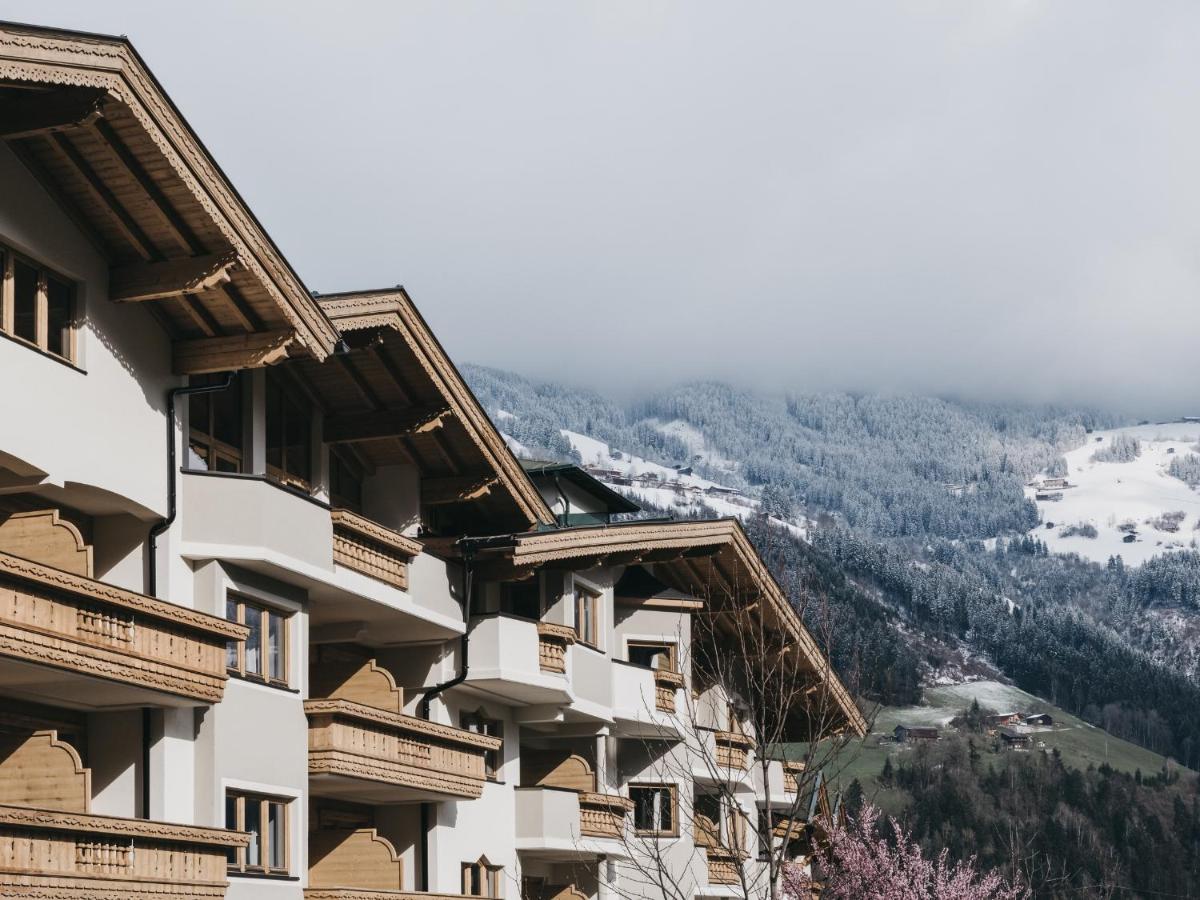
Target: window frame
x,y
672,791
41,314
216,448
491,878
478,722
289,394
240,866
239,670
671,648
581,592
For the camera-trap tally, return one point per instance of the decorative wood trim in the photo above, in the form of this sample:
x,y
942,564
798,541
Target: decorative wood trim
x,y
202,356
732,749
137,282
370,426
603,815
55,855
723,865
372,549
48,56
357,741
360,856
553,640
346,893
65,621
44,537
455,489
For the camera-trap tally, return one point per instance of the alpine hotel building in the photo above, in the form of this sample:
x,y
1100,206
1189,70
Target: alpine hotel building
x,y
280,614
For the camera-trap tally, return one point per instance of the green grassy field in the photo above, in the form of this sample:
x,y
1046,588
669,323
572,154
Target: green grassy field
x,y
1079,743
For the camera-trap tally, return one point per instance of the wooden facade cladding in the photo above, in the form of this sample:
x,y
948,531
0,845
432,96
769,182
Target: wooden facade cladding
x,y
371,549
553,641
69,622
54,854
360,742
733,749
666,683
603,815
792,768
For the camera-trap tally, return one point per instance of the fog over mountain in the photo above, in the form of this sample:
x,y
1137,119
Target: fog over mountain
x,y
994,199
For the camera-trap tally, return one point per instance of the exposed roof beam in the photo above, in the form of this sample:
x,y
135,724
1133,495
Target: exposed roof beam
x,y
121,218
456,489
66,203
180,229
369,426
32,113
158,280
224,354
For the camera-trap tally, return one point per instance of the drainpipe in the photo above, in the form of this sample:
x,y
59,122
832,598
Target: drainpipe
x,y
468,549
566,516
152,552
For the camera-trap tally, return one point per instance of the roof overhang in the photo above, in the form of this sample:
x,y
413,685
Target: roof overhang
x,y
709,559
394,397
95,128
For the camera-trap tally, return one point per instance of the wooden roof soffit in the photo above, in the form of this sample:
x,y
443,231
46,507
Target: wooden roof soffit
x,y
368,426
455,489
136,147
224,354
138,282
41,113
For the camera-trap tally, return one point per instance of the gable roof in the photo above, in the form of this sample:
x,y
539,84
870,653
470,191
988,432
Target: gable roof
x,y
96,129
712,559
394,394
613,502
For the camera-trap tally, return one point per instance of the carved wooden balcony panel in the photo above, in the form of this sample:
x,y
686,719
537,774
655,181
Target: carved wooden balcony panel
x,y
666,683
362,743
50,617
733,749
553,641
371,549
602,815
723,866
54,854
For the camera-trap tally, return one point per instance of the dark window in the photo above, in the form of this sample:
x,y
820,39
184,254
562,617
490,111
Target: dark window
x,y
289,434
263,655
25,300
215,426
653,655
266,819
36,305
521,598
479,723
345,481
653,808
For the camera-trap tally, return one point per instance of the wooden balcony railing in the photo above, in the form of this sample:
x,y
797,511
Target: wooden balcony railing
x,y
666,683
733,749
73,623
361,742
723,865
603,815
52,854
372,549
553,641
791,768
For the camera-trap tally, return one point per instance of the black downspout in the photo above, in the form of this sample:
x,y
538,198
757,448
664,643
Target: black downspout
x,y
152,553
464,645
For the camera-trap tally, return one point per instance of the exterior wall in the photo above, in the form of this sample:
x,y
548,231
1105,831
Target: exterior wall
x,y
97,429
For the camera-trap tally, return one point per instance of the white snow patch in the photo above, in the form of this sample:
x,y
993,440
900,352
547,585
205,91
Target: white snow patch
x,y
504,415
696,443
1105,495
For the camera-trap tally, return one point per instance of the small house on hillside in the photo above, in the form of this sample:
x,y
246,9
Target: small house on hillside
x,y
906,733
1052,496
1054,484
997,719
1015,740
1043,719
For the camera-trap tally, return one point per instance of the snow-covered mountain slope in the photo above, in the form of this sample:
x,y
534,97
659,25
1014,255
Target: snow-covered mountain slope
x,y
1138,498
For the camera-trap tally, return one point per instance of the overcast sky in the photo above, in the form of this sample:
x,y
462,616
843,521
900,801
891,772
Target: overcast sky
x,y
996,197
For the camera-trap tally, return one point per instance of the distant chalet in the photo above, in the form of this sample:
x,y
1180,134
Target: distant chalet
x,y
906,733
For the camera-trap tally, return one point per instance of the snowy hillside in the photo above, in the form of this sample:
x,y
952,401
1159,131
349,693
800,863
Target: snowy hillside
x,y
1137,499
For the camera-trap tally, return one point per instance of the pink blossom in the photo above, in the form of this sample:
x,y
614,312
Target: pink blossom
x,y
860,865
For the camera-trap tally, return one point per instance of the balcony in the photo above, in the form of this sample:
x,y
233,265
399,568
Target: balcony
x,y
358,752
51,853
521,660
645,700
67,638
562,824
733,750
724,865
371,549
